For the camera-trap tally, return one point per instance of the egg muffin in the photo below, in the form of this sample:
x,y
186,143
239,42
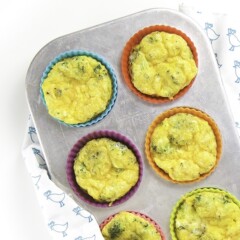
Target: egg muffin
x,y
104,168
162,62
130,225
183,145
206,214
78,88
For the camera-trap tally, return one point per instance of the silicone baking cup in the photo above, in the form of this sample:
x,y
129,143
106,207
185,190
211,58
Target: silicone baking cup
x,y
113,77
144,216
133,41
169,113
79,145
187,195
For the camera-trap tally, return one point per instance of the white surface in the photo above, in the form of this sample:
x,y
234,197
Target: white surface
x,y
26,26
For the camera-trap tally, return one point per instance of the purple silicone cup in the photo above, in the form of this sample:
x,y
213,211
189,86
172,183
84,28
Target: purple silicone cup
x,y
82,194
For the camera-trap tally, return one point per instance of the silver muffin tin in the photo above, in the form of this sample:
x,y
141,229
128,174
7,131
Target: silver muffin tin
x,y
131,116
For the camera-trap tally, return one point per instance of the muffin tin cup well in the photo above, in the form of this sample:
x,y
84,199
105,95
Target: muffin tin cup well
x,y
82,194
170,113
99,58
133,41
144,216
189,194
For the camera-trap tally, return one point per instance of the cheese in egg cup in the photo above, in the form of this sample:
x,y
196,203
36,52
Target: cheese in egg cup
x,y
206,213
104,168
78,88
183,145
159,63
130,224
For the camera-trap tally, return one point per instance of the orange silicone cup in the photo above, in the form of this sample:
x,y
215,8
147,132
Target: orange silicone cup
x,y
170,113
133,41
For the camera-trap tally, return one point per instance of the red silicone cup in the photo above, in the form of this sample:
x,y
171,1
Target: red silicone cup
x,y
135,40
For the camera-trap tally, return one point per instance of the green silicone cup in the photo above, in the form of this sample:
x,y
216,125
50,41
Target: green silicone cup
x,y
184,197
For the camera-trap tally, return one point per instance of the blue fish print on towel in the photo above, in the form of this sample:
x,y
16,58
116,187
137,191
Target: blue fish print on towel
x,y
237,124
59,228
36,180
32,132
233,39
212,35
55,197
83,213
237,71
216,56
86,238
40,159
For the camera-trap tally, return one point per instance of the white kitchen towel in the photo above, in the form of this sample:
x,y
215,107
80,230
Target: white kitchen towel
x,y
67,220
64,218
223,32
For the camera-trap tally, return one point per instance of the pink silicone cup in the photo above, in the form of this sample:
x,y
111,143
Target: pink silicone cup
x,y
76,148
144,216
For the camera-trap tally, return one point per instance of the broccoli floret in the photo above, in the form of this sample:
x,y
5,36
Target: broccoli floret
x,y
161,149
115,230
134,54
226,199
97,68
57,92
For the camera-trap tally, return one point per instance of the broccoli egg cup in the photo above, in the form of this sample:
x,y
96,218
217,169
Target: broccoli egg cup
x,y
183,145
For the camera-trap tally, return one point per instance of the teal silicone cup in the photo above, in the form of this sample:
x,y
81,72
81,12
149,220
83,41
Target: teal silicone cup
x,y
113,77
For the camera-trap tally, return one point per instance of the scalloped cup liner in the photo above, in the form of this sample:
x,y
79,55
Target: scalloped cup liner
x,y
144,216
133,41
113,77
169,113
82,194
184,197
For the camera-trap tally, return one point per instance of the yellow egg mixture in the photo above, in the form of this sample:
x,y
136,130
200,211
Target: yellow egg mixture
x,y
162,64
77,89
208,216
106,169
129,226
184,146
